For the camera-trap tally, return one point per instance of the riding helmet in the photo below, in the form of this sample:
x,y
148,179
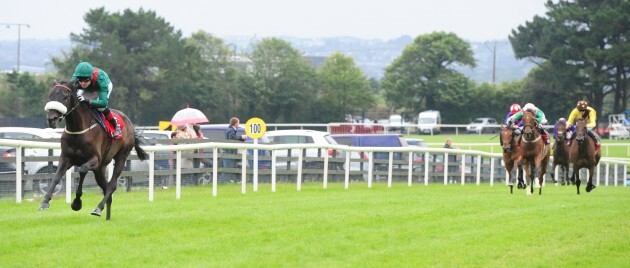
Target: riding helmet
x,y
530,107
581,105
84,69
515,108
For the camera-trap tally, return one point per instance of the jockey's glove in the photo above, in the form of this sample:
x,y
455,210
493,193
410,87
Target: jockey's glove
x,y
83,99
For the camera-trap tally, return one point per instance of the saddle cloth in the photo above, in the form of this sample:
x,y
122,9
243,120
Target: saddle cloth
x,y
108,127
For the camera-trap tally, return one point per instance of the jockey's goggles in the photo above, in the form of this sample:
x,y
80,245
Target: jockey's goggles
x,y
83,79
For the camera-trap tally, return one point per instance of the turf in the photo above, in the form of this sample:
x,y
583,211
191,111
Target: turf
x,y
435,225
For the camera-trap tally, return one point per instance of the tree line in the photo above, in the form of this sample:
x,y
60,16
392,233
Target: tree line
x,y
580,47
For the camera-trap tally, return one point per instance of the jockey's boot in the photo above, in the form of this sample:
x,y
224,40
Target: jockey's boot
x,y
112,119
545,136
117,131
598,143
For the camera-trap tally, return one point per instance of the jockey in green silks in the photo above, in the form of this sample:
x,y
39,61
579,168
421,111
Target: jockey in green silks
x,y
540,117
89,78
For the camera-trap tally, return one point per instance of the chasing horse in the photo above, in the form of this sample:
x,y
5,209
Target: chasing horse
x,y
583,154
88,142
535,149
511,157
561,153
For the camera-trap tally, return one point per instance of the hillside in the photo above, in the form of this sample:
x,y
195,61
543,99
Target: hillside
x,y
372,55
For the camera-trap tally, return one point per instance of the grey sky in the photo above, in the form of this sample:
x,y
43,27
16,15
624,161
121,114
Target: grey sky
x,y
474,20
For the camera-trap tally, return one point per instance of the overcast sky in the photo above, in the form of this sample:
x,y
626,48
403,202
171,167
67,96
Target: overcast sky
x,y
473,20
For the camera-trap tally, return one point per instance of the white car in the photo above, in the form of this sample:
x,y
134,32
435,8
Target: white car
x,y
483,124
302,136
35,167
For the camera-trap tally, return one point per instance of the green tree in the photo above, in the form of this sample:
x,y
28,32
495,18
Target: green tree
x,y
423,77
279,86
24,96
140,51
585,43
211,73
344,88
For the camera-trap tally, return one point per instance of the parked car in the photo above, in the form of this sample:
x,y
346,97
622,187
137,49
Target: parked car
x,y
396,123
32,167
372,140
417,157
483,125
302,136
416,142
429,122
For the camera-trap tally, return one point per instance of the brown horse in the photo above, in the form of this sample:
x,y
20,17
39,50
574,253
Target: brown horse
x,y
511,157
535,153
85,144
561,154
583,155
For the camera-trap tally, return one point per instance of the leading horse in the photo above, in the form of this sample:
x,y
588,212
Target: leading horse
x,y
511,157
535,153
583,155
85,144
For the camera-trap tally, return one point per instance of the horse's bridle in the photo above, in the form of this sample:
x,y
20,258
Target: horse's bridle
x,y
71,109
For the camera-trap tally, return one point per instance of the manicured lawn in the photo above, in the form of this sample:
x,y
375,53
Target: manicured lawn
x,y
418,226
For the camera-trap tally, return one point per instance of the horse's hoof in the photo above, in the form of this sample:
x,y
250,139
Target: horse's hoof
x,y
44,206
76,204
96,212
590,187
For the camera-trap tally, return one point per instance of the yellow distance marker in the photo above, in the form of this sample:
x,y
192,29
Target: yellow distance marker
x,y
255,128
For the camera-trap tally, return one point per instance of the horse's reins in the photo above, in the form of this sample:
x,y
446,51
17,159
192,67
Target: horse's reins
x,y
63,116
536,139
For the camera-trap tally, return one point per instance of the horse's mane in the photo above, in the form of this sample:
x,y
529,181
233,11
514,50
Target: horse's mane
x,y
60,82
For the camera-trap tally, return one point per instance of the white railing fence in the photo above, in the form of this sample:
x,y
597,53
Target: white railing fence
x,y
469,168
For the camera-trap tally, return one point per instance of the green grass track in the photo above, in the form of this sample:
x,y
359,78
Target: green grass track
x,y
418,226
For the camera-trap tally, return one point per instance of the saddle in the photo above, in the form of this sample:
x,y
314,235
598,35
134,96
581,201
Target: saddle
x,y
106,125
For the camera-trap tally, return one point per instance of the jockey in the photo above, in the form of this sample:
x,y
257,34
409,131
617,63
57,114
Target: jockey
x,y
93,79
560,121
540,117
555,127
590,117
515,108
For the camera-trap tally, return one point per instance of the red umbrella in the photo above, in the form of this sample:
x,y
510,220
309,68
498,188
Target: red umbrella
x,y
188,116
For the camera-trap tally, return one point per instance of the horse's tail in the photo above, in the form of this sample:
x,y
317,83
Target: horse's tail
x,y
141,153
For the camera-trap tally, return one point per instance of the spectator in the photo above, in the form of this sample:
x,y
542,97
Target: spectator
x,y
183,132
449,144
197,131
231,134
171,179
452,167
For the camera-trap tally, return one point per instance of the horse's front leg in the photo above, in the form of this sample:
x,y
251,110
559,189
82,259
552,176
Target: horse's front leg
x,y
589,183
576,175
509,166
63,166
77,204
520,176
